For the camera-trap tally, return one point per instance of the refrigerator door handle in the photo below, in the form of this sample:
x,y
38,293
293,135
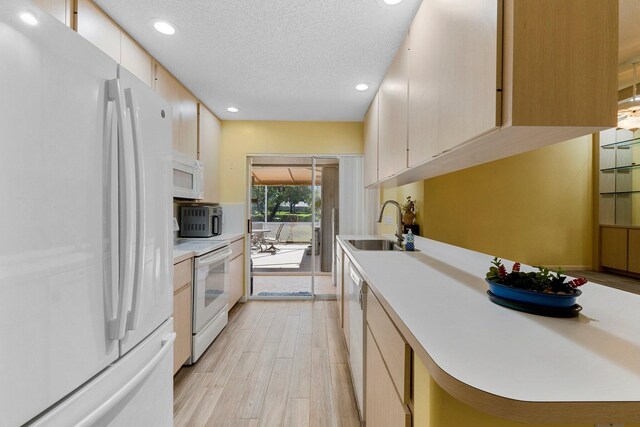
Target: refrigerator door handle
x,y
112,190
127,207
122,393
132,106
117,325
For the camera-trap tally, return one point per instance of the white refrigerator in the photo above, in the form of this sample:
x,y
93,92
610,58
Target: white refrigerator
x,y
86,334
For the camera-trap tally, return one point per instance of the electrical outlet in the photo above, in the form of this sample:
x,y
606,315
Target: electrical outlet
x,y
609,425
388,220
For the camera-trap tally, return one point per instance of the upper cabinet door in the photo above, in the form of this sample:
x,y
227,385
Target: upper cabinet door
x,y
209,152
371,144
188,123
59,9
96,27
453,75
169,88
135,59
392,98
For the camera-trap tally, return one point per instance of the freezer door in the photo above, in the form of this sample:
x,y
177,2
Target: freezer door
x,y
137,390
148,143
58,210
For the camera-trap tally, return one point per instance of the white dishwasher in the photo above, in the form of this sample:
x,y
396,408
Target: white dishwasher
x,y
357,299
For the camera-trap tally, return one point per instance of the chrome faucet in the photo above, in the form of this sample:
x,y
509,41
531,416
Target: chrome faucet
x,y
399,230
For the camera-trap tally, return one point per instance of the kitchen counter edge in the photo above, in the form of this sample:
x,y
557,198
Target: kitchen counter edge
x,y
502,406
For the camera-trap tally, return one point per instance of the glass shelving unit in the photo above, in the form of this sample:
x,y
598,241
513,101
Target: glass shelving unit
x,y
620,180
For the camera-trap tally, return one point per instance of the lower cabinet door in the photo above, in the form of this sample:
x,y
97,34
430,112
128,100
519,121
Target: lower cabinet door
x,y
613,248
339,290
235,280
633,256
383,407
182,303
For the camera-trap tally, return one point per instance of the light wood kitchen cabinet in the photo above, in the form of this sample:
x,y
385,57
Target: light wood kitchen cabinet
x,y
184,110
236,273
169,88
188,123
209,152
497,78
182,310
613,247
59,9
346,327
392,115
453,65
391,345
633,251
95,26
135,59
383,406
99,29
339,283
371,143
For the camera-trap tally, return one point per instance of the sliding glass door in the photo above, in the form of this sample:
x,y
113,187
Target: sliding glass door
x,y
292,230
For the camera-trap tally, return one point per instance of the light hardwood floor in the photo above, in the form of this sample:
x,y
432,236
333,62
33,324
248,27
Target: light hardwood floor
x,y
617,281
277,363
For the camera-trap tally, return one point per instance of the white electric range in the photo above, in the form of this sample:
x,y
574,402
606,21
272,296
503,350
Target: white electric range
x,y
210,290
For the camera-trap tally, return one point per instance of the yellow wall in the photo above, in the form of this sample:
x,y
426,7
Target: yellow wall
x,y
534,208
399,194
434,407
240,138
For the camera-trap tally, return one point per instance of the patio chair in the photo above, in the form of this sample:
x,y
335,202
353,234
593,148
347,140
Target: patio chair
x,y
271,241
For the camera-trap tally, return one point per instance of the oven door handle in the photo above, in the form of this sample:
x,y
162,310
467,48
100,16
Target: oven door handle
x,y
213,258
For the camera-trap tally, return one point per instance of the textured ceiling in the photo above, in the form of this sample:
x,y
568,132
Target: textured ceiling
x,y
274,60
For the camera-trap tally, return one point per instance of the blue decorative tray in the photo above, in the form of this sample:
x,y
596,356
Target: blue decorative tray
x,y
533,297
540,310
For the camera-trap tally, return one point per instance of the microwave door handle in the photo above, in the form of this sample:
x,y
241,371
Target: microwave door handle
x,y
132,106
198,178
111,205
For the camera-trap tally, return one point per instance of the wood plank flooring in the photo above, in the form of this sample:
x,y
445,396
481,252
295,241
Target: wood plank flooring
x,y
617,281
277,363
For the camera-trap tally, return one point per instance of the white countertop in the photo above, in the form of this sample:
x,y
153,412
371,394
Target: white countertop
x,y
440,296
185,247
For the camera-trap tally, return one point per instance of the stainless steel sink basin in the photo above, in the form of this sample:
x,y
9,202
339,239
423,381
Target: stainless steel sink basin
x,y
375,245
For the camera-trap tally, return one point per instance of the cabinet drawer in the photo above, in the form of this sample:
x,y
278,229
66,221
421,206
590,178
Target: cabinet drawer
x,y
182,273
395,351
383,405
237,248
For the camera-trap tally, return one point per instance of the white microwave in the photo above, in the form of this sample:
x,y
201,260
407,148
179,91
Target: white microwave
x,y
188,177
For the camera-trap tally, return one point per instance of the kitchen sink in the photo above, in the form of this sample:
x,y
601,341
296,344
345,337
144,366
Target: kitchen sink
x,y
375,245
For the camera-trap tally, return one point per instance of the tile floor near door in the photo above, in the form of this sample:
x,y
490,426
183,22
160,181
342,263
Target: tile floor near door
x,y
294,285
277,363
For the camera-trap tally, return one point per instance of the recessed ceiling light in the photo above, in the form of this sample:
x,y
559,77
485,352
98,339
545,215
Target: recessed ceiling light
x,y
164,27
232,109
28,18
362,87
392,2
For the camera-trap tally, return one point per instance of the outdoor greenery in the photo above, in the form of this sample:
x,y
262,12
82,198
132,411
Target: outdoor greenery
x,y
283,196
